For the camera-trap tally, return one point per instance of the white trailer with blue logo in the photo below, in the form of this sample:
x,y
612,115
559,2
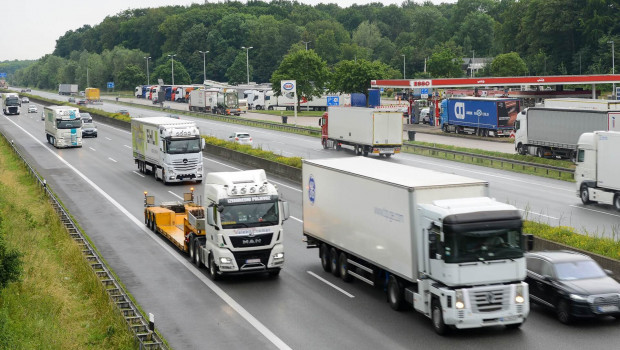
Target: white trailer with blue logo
x,y
63,126
430,239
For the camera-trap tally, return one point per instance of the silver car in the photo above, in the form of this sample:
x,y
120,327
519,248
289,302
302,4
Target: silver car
x,y
32,109
242,138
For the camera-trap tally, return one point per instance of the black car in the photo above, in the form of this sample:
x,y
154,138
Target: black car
x,y
572,284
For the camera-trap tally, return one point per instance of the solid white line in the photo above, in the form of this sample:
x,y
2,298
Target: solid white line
x,y
294,218
594,210
109,139
92,149
331,284
176,195
173,252
533,213
137,173
112,160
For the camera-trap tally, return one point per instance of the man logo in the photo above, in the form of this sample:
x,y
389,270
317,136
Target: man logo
x,y
459,110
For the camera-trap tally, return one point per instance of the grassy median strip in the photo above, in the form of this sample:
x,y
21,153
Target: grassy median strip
x,y
58,303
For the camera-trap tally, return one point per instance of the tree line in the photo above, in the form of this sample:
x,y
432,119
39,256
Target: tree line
x,y
525,37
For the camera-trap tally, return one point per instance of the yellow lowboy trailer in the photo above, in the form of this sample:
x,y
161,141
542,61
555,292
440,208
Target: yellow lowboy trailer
x,y
175,220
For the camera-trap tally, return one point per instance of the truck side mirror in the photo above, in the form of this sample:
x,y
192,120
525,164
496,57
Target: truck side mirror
x,y
210,216
321,122
285,210
202,143
528,240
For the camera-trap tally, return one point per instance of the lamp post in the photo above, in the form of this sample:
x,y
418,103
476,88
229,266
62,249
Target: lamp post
x,y
613,67
204,65
148,80
172,56
473,58
403,66
247,61
306,42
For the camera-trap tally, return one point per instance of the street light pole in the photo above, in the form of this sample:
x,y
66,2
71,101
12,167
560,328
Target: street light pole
x,y
204,65
172,56
403,66
306,42
247,61
613,67
473,59
148,80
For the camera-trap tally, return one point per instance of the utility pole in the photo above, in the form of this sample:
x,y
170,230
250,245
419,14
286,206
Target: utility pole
x,y
473,59
613,67
148,80
172,56
204,65
403,66
247,61
306,42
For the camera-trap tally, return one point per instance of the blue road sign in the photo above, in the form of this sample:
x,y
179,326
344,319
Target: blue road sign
x,y
333,100
424,91
2,75
110,85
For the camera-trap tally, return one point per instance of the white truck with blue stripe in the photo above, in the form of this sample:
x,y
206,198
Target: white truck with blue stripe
x,y
63,126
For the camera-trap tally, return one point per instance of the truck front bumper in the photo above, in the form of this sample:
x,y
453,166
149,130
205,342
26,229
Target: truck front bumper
x,y
250,261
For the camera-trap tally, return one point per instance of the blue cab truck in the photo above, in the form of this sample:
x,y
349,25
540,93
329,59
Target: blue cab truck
x,y
479,116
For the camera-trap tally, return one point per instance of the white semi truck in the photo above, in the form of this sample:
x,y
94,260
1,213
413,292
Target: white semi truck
x,y
554,131
243,231
171,149
63,126
67,89
597,174
432,240
11,103
583,103
367,130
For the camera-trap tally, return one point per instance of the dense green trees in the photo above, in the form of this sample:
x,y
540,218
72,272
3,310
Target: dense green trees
x,y
507,65
307,68
550,36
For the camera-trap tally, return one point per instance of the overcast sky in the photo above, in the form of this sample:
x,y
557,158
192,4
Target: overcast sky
x,y
30,27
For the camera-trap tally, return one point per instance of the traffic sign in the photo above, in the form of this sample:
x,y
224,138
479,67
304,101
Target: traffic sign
x,y
333,100
618,93
2,75
110,85
424,93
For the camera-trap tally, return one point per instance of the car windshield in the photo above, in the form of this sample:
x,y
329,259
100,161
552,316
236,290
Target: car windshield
x,y
179,146
243,136
68,124
250,215
578,270
483,245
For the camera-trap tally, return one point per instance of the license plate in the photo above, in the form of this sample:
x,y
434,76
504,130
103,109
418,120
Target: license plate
x,y
386,150
608,308
252,261
508,319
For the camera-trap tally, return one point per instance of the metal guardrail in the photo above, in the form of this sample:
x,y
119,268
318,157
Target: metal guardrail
x,y
136,322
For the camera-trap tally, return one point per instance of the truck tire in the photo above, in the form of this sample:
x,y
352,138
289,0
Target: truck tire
x,y
358,150
324,255
343,265
213,269
338,146
324,143
196,254
395,293
520,149
333,262
365,152
190,249
539,152
437,318
584,195
617,201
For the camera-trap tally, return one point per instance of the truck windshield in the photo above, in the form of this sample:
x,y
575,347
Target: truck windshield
x,y
250,215
483,245
68,124
12,101
180,146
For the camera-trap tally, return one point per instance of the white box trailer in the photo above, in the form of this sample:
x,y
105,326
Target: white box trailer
x,y
67,89
169,148
598,174
63,126
367,130
583,103
433,240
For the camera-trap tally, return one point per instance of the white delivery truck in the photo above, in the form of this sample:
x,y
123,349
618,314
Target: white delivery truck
x,y
243,231
67,89
367,130
169,148
63,126
431,239
554,132
597,174
583,103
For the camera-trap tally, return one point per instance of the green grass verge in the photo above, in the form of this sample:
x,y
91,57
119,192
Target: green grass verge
x,y
59,303
247,149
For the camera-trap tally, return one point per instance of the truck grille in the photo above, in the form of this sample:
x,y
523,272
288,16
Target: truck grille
x,y
490,300
242,259
185,165
247,241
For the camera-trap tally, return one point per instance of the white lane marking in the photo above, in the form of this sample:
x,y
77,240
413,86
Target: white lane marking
x,y
176,195
127,146
137,173
294,218
173,252
331,284
109,139
533,213
112,160
93,149
594,210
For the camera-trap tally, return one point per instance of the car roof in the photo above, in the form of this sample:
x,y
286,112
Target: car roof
x,y
557,256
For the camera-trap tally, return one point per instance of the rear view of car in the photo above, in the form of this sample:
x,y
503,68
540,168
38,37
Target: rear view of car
x,y
242,138
32,109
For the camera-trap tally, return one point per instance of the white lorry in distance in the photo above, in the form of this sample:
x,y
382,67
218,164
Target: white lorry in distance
x,y
244,217
597,175
11,103
432,240
171,149
583,103
68,89
63,126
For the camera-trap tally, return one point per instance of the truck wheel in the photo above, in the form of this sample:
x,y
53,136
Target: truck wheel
x,y
365,152
584,194
146,220
395,293
324,254
152,222
324,143
163,177
213,269
437,318
338,146
520,149
617,201
333,262
539,152
343,265
191,247
197,253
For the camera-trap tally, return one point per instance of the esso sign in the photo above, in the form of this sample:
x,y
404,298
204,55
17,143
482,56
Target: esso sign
x,y
421,83
288,85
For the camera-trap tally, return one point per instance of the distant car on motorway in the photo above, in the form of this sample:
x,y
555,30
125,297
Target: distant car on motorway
x,y
71,99
123,112
572,284
175,116
89,129
242,138
32,109
81,102
25,100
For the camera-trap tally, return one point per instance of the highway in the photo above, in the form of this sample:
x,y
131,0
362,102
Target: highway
x,y
305,308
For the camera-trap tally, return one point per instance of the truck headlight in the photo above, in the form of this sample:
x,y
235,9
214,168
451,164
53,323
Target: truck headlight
x,y
460,302
278,256
519,299
225,260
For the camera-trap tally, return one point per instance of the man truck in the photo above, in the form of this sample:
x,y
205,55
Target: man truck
x,y
239,230
63,126
597,175
11,103
430,239
554,132
479,116
367,130
170,149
